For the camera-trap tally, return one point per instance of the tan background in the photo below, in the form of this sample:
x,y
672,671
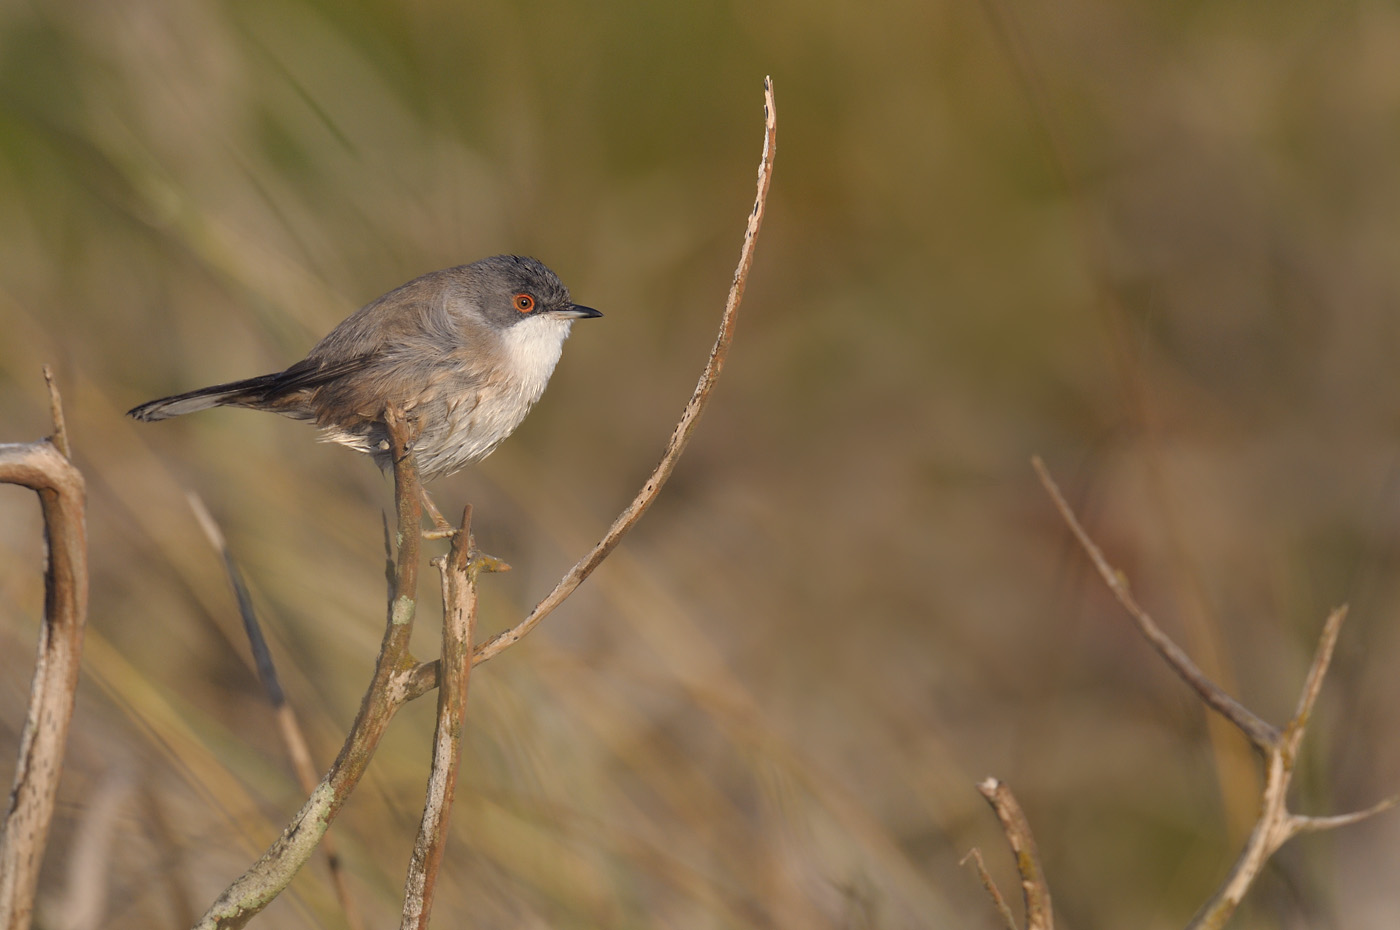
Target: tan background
x,y
1155,242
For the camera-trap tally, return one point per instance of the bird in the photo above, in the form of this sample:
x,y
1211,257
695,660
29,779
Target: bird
x,y
464,353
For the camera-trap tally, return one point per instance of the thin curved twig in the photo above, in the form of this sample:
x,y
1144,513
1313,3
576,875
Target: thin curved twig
x,y
691,415
426,675
1260,732
424,678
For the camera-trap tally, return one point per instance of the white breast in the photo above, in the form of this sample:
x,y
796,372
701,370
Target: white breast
x,y
532,347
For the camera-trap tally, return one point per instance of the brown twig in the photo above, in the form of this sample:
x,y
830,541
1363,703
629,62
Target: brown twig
x,y
257,887
1260,732
44,467
459,569
1039,914
293,738
1275,824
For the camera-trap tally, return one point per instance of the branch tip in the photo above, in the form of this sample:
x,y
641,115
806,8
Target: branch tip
x,y
1035,890
60,426
690,416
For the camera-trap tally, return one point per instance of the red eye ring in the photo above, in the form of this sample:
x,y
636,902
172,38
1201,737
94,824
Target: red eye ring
x,y
524,303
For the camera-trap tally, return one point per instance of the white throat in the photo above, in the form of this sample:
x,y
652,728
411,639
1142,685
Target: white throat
x,y
533,347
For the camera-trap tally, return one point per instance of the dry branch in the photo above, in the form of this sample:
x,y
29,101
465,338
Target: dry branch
x,y
258,886
459,569
1275,825
1035,891
1260,732
44,467
689,417
425,677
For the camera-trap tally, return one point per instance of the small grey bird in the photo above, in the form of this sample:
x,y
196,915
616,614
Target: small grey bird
x,y
466,351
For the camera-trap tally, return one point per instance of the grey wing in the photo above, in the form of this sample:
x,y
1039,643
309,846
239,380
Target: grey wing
x,y
407,353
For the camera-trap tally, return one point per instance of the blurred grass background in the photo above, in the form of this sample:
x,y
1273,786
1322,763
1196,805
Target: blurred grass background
x,y
1154,242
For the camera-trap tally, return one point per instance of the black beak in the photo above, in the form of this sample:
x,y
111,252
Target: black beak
x,y
575,312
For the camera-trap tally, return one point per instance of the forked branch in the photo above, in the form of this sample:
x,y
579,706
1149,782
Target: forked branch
x,y
1279,746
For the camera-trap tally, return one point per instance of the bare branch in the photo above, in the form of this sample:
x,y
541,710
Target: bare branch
x,y
459,569
689,417
1039,914
257,887
1276,825
44,467
1260,732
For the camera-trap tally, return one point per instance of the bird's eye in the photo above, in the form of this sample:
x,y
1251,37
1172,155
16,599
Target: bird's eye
x,y
524,303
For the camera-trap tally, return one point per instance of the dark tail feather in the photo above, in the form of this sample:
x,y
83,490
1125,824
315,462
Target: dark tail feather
x,y
262,392
237,393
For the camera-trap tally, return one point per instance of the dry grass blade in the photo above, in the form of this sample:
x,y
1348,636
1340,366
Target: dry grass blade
x,y
287,723
85,904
